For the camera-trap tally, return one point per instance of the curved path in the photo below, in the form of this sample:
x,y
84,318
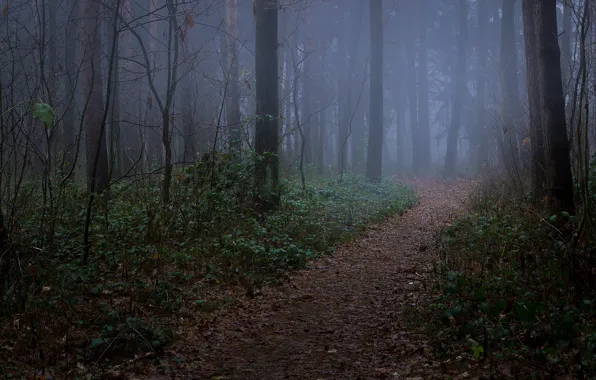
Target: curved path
x,y
344,318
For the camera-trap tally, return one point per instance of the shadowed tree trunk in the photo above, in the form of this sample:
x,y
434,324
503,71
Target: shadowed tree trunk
x,y
375,135
559,177
538,162
95,143
460,90
114,115
267,111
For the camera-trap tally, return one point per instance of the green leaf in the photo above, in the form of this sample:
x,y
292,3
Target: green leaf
x,y
97,342
44,113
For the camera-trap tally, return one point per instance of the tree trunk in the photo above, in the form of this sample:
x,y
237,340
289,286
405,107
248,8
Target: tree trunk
x,y
69,130
480,136
233,101
172,81
509,87
359,134
374,159
288,80
95,143
566,33
560,180
400,109
320,156
267,111
346,108
412,102
460,90
114,115
423,133
538,162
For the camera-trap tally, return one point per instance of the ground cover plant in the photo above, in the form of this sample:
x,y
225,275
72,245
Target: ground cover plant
x,y
515,289
151,265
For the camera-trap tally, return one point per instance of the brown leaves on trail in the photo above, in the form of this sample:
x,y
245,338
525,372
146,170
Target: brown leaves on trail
x,y
346,317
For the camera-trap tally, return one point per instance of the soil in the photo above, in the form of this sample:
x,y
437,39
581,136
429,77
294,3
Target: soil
x,y
348,316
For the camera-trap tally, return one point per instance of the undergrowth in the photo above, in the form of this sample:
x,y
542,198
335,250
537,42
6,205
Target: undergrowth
x,y
153,266
516,290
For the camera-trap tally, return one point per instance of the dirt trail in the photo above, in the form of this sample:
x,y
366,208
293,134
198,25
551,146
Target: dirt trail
x,y
344,318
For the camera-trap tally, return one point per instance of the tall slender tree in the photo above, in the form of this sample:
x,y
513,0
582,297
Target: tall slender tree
x,y
375,136
412,98
509,86
95,142
233,101
460,91
267,109
423,132
480,134
354,25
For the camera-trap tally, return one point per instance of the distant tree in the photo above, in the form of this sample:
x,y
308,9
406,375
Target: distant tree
x,y
350,46
423,132
412,96
509,86
375,136
480,132
267,107
460,91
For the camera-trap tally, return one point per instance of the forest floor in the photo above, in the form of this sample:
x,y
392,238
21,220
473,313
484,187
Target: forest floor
x,y
351,315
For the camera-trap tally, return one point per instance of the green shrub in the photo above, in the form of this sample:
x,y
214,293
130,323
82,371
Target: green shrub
x,y
146,258
512,286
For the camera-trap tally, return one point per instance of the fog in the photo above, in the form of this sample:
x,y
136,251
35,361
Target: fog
x,y
447,65
189,186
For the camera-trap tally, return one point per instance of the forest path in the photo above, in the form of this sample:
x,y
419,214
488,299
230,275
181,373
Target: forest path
x,y
344,318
